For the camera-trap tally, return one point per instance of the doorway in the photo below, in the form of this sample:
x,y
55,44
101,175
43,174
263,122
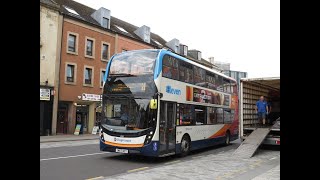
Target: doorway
x,y
167,127
62,121
82,117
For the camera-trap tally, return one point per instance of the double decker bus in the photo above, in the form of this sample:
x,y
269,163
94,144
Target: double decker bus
x,y
158,103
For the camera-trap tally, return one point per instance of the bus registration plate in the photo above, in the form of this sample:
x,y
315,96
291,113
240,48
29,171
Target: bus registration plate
x,y
121,150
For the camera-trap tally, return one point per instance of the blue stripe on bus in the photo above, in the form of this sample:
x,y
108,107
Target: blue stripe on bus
x,y
158,66
107,68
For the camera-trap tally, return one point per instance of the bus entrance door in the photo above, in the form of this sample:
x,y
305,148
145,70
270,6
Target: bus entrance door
x,y
167,128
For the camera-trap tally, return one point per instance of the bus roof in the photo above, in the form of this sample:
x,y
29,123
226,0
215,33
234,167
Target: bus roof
x,y
184,59
197,64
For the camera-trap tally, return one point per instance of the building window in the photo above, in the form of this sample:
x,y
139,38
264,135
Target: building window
x,y
105,51
72,43
102,73
89,47
72,46
88,76
105,22
70,73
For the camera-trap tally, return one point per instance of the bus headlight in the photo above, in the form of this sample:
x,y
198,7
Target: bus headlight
x,y
102,138
148,139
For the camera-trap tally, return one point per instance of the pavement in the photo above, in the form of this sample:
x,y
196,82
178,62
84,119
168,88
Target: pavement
x,y
69,137
263,166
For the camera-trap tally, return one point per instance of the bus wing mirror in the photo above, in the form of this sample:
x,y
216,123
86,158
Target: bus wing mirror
x,y
153,104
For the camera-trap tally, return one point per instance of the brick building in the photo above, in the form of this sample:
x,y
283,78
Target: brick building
x,y
89,39
86,39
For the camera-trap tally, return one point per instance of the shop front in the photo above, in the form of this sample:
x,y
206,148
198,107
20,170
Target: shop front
x,y
86,112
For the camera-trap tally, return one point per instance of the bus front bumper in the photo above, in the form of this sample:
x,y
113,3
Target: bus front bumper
x,y
150,149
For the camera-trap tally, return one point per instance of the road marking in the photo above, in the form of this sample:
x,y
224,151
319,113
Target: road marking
x,y
73,156
171,162
273,158
138,169
99,177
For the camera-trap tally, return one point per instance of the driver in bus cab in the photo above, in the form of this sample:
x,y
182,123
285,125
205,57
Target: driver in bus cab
x,y
124,114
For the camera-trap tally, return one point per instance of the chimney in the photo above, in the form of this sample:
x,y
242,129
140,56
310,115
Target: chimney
x,y
102,16
183,50
196,54
144,33
211,60
174,45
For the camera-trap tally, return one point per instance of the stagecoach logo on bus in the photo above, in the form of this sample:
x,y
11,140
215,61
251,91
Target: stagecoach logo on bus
x,y
121,140
155,146
171,90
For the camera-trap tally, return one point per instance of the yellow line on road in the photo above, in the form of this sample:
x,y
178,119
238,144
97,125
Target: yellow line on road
x,y
171,162
138,169
95,178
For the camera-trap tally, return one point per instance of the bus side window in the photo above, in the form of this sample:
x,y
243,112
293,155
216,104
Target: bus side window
x,y
200,114
199,76
189,74
219,112
210,81
182,72
227,116
186,114
211,115
170,67
219,83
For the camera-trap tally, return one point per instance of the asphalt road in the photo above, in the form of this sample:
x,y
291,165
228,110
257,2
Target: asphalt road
x,y
79,162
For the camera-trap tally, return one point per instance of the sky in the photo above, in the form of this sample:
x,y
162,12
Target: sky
x,y
244,33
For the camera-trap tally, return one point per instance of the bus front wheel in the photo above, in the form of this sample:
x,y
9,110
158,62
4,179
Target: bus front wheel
x,y
185,145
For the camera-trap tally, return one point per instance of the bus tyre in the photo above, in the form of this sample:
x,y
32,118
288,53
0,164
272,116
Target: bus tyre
x,y
227,136
185,146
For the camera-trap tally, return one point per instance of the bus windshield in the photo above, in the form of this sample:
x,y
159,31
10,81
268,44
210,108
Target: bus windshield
x,y
128,90
128,113
133,63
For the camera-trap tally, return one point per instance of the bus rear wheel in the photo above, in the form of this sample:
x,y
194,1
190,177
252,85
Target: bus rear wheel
x,y
185,146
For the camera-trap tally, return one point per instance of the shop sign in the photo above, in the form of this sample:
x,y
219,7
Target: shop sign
x,y
91,97
77,130
45,94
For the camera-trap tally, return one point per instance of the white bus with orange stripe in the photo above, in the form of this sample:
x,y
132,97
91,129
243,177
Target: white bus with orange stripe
x,y
158,103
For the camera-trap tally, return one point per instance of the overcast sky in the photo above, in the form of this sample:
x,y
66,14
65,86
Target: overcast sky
x,y
244,33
